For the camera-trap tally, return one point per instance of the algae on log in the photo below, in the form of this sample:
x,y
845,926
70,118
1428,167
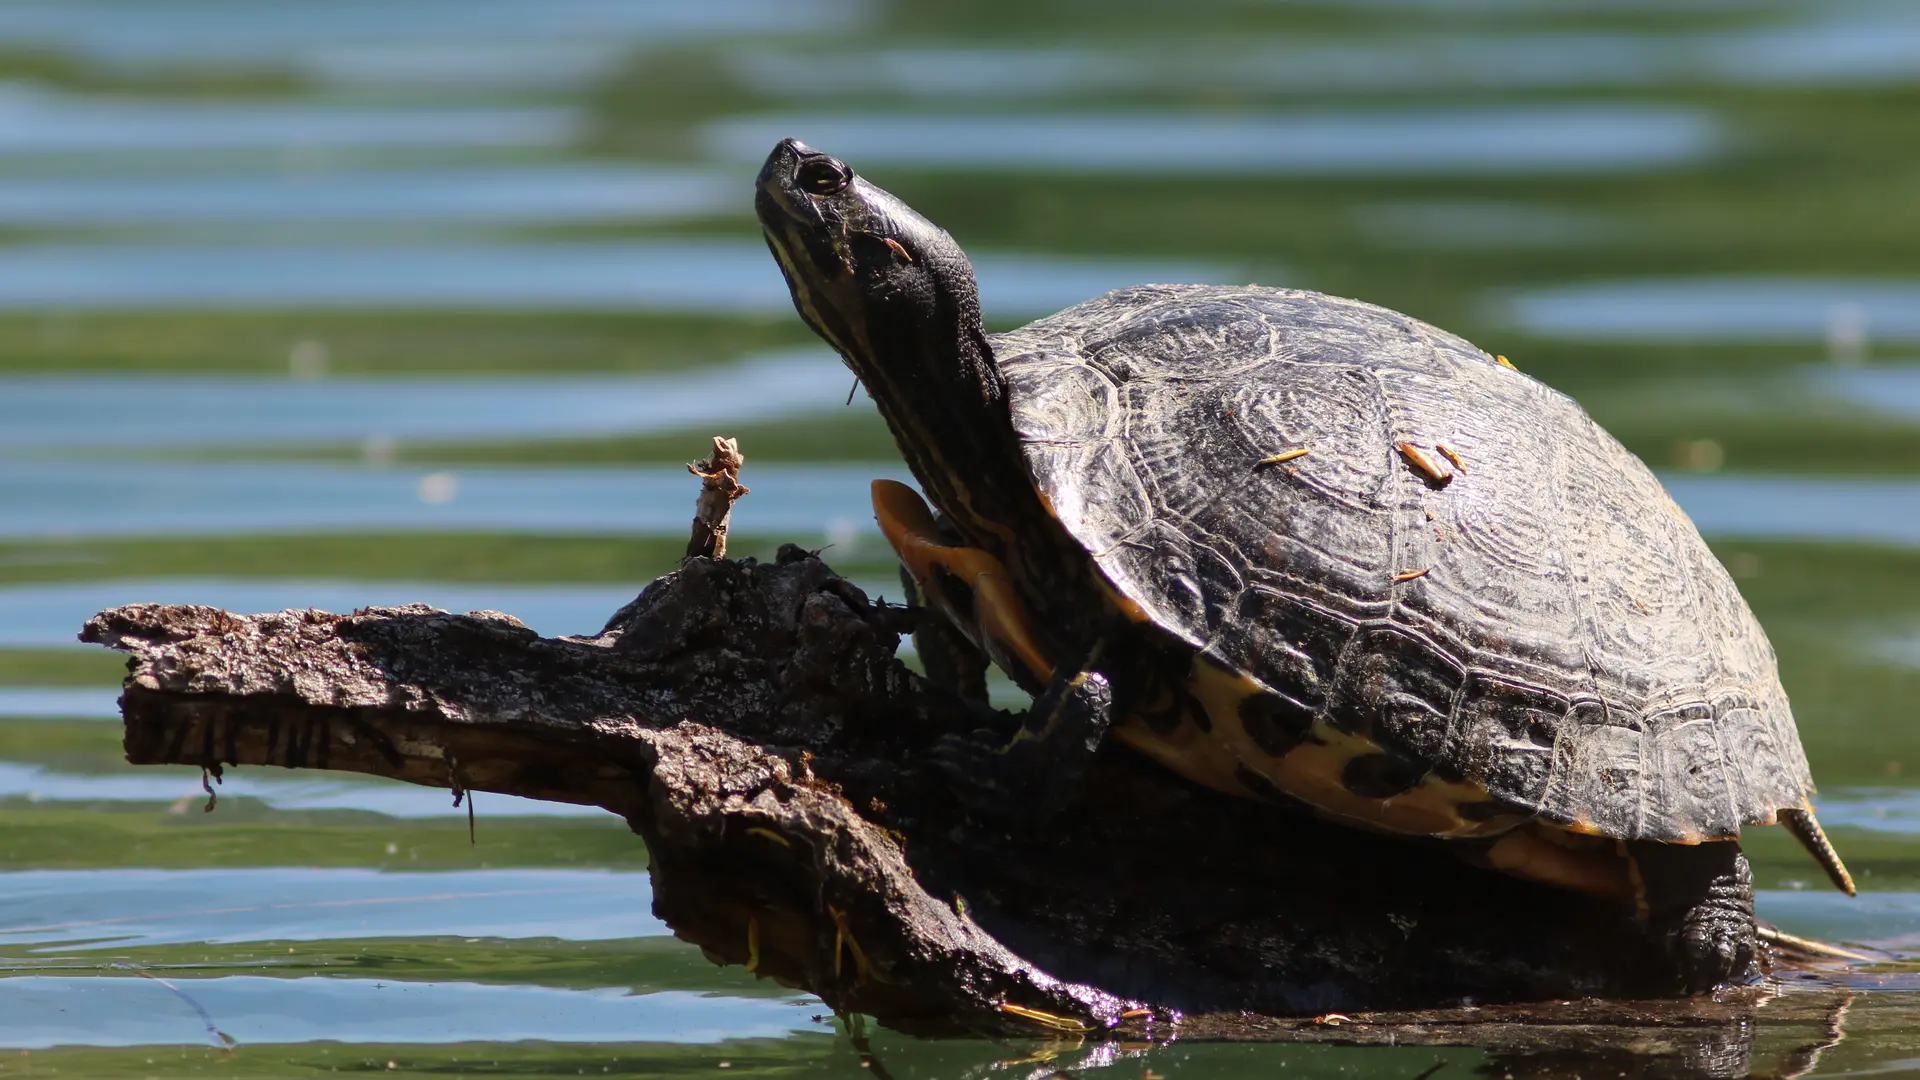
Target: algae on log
x,y
751,723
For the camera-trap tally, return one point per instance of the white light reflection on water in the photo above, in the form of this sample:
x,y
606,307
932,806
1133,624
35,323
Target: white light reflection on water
x,y
1458,141
718,276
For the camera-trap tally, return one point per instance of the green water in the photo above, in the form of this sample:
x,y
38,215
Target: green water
x,y
1696,218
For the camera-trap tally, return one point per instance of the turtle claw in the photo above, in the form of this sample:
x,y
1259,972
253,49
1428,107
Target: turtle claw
x,y
1711,950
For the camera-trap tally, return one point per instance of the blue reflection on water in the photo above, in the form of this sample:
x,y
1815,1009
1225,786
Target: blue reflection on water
x,y
720,276
1892,389
48,1010
1464,141
189,410
52,613
1715,309
218,904
60,702
467,195
34,122
75,499
182,30
278,788
1829,47
1801,507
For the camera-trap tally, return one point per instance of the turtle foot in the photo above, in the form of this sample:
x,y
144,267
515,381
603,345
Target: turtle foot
x,y
1040,772
1699,900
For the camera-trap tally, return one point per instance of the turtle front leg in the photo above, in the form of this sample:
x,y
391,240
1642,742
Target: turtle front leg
x,y
1698,898
951,661
1040,772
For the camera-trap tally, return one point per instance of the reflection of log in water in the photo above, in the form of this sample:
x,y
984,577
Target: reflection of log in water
x,y
751,723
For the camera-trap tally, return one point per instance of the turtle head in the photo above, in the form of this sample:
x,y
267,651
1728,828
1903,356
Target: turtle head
x,y
867,272
894,294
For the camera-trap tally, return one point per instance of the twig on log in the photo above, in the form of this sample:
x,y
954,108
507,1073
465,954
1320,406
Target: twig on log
x,y
720,488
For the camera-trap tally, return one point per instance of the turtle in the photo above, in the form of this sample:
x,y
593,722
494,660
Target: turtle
x,y
1308,550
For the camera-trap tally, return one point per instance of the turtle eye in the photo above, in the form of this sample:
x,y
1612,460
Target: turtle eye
x,y
823,176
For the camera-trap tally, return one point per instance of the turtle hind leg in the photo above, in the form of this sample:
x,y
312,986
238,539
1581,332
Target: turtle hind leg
x,y
1040,772
1806,829
1698,899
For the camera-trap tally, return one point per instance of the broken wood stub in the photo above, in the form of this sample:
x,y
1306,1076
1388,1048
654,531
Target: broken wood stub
x,y
750,721
720,488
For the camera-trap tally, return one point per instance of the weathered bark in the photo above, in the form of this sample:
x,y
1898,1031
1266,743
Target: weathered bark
x,y
751,723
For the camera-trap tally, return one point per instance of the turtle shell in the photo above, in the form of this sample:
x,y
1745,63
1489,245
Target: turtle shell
x,y
1463,568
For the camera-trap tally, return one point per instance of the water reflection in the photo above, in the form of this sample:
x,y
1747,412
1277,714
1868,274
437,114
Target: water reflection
x,y
1862,45
46,1010
51,614
1483,224
1714,308
59,702
180,411
1460,141
1886,388
56,499
210,30
467,195
718,276
35,122
134,907
38,784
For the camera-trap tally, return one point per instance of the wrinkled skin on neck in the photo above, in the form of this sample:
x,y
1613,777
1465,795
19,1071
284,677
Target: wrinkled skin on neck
x,y
896,297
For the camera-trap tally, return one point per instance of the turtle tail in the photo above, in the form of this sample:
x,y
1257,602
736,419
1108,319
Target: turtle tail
x,y
1806,829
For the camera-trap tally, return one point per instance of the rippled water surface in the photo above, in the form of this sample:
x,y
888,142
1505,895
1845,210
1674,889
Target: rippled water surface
x,y
361,303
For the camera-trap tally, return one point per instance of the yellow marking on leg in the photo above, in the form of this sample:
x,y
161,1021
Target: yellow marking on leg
x,y
1000,618
1540,852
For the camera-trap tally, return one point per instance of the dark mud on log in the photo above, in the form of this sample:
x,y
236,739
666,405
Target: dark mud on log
x,y
751,723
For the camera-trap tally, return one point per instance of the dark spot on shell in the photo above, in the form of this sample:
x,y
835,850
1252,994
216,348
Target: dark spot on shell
x,y
1275,724
1380,776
